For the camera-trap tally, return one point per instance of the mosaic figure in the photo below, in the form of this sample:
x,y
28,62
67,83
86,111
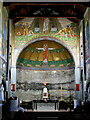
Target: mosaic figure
x,y
45,52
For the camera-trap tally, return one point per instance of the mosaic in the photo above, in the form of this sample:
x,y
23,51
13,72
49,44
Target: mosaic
x,y
31,28
44,54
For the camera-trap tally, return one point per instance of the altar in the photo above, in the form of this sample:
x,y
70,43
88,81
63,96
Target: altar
x,y
49,105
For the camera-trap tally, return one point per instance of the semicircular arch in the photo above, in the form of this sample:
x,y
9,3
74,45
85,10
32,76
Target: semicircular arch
x,y
43,38
48,39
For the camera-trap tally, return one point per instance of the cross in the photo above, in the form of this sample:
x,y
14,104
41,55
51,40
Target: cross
x,y
45,52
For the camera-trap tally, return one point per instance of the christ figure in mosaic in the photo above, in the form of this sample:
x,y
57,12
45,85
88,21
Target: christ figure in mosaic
x,y
45,52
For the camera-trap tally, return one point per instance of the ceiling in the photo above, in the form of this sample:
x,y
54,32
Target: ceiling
x,y
72,11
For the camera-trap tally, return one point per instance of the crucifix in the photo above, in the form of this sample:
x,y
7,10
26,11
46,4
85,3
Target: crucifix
x,y
45,52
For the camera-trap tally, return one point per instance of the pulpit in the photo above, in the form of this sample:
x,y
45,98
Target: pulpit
x,y
42,105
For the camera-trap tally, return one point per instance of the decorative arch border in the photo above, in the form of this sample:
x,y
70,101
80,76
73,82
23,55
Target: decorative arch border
x,y
43,38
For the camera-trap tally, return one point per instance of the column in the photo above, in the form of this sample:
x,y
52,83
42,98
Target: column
x,y
13,80
0,50
77,83
13,61
84,61
77,69
0,28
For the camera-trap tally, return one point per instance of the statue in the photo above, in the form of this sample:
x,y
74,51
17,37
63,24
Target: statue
x,y
45,93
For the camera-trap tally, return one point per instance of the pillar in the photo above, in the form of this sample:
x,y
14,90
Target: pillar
x,y
12,61
1,28
84,62
13,81
77,83
87,42
1,4
77,70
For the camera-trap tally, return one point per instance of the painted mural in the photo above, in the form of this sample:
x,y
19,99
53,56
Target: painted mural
x,y
4,31
4,40
31,28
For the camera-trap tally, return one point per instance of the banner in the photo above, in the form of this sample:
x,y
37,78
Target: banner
x,y
77,87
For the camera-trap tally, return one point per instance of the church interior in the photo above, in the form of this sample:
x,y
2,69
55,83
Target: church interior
x,y
44,60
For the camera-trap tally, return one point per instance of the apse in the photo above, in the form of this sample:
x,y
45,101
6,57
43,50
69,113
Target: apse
x,y
34,55
35,66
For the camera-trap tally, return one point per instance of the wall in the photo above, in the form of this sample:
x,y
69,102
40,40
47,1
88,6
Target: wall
x,y
30,83
3,50
67,36
87,44
3,54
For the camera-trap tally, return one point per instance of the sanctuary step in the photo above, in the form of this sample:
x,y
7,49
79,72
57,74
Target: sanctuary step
x,y
46,116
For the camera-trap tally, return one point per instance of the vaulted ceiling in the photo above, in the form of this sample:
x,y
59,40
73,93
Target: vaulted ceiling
x,y
72,11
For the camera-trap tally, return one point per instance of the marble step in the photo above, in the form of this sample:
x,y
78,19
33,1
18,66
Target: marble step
x,y
46,118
